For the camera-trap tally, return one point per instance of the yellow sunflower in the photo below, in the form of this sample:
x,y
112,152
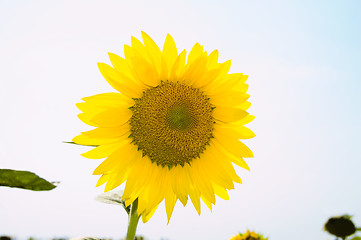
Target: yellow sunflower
x,y
248,236
172,130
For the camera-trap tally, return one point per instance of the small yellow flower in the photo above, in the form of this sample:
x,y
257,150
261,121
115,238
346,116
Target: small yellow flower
x,y
248,236
172,130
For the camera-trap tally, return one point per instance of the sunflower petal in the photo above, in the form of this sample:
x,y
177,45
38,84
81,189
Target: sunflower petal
x,y
86,140
153,51
195,53
119,81
146,217
101,151
124,66
120,159
195,70
145,72
230,98
110,132
170,199
212,59
235,132
170,52
178,67
108,100
221,192
208,203
113,117
103,179
227,114
234,146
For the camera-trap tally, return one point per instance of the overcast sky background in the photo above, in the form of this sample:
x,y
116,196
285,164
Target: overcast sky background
x,y
303,61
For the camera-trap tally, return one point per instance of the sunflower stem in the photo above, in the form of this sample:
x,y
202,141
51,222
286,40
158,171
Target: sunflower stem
x,y
133,219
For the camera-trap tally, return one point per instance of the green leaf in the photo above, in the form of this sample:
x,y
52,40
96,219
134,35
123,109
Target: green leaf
x,y
356,238
81,144
113,198
25,180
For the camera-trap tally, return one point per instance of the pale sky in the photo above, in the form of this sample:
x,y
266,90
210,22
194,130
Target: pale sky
x,y
303,61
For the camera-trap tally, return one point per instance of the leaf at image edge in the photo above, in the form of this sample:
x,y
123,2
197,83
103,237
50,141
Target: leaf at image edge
x,y
24,180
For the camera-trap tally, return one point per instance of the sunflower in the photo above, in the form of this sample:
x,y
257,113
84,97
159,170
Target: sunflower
x,y
172,130
248,236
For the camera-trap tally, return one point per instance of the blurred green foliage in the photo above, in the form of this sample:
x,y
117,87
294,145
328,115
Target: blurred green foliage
x,y
342,227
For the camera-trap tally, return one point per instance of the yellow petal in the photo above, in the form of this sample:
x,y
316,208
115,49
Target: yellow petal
x,y
195,53
180,183
203,184
139,48
83,139
103,179
128,54
153,51
212,59
227,114
170,52
221,192
109,100
235,132
85,118
207,78
208,203
195,70
154,189
224,154
112,117
122,65
241,86
194,193
145,72
225,69
239,161
91,109
178,67
225,82
115,180
216,169
245,105
247,119
233,146
221,83
230,98
170,200
159,183
119,81
101,151
137,179
112,132
224,161
119,160
145,218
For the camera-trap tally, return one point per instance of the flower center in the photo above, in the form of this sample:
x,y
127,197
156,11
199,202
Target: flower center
x,y
172,123
179,117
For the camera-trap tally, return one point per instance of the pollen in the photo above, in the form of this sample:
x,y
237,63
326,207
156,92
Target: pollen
x,y
172,123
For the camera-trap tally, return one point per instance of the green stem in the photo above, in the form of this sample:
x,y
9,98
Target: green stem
x,y
133,219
